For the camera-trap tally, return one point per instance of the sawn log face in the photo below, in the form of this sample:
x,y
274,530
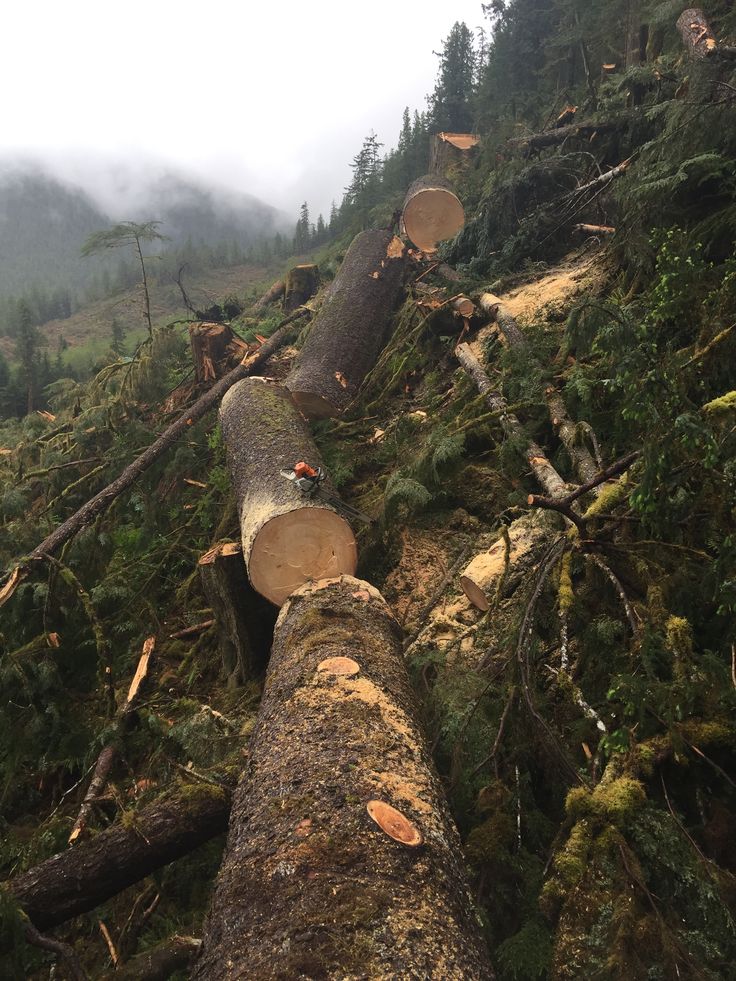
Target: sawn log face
x,y
310,886
351,328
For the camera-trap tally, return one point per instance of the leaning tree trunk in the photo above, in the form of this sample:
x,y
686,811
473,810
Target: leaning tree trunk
x,y
83,877
342,860
350,330
302,282
432,212
288,538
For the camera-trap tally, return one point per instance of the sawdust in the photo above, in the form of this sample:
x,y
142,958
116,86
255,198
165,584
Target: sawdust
x,y
557,288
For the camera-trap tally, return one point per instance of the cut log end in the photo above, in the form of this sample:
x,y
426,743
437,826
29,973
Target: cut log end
x,y
432,216
301,545
475,594
394,824
315,406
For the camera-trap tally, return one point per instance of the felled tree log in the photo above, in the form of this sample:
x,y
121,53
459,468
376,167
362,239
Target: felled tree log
x,y
594,229
288,538
432,212
159,963
535,456
215,350
342,859
242,617
351,327
271,295
451,153
502,567
81,878
588,130
102,500
582,460
302,282
696,34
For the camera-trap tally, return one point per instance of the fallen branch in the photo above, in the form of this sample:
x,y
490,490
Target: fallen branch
x,y
80,879
108,754
594,229
102,501
553,137
159,963
62,950
563,504
197,628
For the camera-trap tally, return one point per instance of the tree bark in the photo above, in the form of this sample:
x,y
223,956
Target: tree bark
x,y
288,537
351,327
215,350
432,212
82,878
582,460
302,282
243,619
102,501
535,456
696,34
315,881
553,137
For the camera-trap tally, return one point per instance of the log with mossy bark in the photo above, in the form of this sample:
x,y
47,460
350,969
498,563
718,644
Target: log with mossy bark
x,y
342,859
352,326
432,212
302,282
287,536
78,880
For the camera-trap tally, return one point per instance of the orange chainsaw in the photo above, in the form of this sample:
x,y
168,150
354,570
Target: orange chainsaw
x,y
310,482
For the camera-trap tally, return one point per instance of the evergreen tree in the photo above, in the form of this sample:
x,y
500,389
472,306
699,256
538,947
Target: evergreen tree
x,y
118,336
27,342
451,103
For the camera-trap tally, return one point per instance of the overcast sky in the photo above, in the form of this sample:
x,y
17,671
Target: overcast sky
x,y
272,98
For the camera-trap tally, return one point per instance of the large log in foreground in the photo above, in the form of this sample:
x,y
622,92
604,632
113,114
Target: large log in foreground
x,y
351,327
342,860
83,877
432,212
288,538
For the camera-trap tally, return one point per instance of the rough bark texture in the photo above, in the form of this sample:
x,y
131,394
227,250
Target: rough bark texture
x,y
243,618
582,460
554,137
696,34
287,538
159,963
352,326
451,153
432,212
302,282
215,350
81,878
535,456
310,886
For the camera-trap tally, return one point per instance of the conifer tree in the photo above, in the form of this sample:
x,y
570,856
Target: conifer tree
x,y
451,103
27,343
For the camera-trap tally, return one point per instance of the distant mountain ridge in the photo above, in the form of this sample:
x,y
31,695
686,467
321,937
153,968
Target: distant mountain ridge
x,y
44,221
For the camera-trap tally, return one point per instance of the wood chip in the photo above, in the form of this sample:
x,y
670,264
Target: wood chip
x,y
53,639
394,824
341,379
194,483
222,548
395,248
16,578
342,667
361,594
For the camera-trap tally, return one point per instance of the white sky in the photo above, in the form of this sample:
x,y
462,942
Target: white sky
x,y
272,98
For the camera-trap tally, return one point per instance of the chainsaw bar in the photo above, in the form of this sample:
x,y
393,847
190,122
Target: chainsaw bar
x,y
314,489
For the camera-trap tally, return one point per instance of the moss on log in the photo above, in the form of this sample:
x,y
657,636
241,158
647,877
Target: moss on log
x,y
342,859
288,538
352,326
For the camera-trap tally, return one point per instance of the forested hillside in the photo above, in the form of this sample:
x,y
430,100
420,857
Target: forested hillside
x,y
507,747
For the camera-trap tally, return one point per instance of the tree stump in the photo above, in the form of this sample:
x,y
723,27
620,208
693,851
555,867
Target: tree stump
x,y
696,34
243,618
450,153
352,326
432,212
302,282
342,859
288,538
215,350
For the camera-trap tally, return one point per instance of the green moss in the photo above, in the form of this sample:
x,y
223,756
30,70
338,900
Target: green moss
x,y
565,594
572,861
720,406
609,497
617,801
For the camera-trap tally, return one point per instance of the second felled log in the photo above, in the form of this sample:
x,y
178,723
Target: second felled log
x,y
432,212
342,858
288,537
350,330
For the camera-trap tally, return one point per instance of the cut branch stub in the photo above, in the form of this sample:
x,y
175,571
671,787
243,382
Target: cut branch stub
x,y
343,667
352,326
432,212
394,824
288,538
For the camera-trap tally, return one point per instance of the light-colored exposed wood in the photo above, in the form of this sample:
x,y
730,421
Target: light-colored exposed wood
x,y
432,213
